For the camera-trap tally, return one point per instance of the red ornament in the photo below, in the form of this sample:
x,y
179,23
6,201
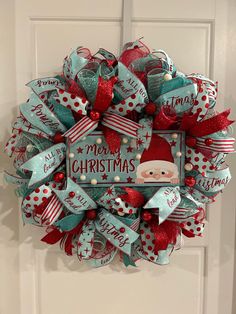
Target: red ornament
x,y
58,138
146,215
208,141
59,177
190,181
122,229
191,141
150,109
94,115
91,214
72,194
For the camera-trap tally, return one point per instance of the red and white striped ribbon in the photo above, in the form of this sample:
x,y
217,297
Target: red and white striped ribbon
x,y
135,224
218,145
52,211
121,124
81,129
179,214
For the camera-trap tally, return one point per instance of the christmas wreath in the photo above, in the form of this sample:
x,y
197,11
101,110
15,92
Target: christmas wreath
x,y
119,156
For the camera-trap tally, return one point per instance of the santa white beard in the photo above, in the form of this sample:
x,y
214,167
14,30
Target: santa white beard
x,y
157,171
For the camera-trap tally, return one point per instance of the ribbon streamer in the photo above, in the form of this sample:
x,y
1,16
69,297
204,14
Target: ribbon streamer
x,y
79,202
112,229
43,164
166,199
38,114
46,84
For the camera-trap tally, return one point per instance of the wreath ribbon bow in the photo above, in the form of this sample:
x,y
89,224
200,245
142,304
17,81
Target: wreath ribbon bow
x,y
119,231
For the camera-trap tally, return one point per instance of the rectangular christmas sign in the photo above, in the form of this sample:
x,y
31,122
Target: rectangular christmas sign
x,y
161,164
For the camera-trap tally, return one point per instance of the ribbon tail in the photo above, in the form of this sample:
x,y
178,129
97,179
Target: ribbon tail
x,y
53,237
112,138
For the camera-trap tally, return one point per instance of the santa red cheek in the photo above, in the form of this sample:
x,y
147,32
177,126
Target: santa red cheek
x,y
168,174
146,174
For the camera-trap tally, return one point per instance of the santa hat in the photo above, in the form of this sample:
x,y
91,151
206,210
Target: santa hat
x,y
159,149
157,155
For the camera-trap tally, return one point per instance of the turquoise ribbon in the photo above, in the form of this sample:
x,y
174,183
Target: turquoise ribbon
x,y
43,164
74,63
63,114
45,84
180,99
79,202
69,222
9,178
166,199
86,240
103,259
129,84
213,181
88,79
115,231
38,114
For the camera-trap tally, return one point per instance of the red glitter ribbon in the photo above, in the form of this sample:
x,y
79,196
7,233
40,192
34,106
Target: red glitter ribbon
x,y
163,122
214,124
104,94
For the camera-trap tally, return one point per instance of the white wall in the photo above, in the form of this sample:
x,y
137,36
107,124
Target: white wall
x,y
230,100
9,266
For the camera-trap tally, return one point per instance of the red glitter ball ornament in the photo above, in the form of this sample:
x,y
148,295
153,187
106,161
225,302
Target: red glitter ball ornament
x,y
146,215
58,138
150,108
191,141
208,141
94,115
59,176
91,214
190,181
72,194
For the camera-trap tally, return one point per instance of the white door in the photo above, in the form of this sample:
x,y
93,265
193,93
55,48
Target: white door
x,y
194,34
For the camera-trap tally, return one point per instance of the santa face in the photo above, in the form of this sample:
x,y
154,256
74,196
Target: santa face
x,y
157,171
157,174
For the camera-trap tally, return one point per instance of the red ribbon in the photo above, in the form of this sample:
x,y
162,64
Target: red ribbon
x,y
66,237
112,138
104,94
133,197
162,121
130,55
214,124
165,234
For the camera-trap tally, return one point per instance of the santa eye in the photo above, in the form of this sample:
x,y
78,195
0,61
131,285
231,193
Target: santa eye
x,y
150,172
163,172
